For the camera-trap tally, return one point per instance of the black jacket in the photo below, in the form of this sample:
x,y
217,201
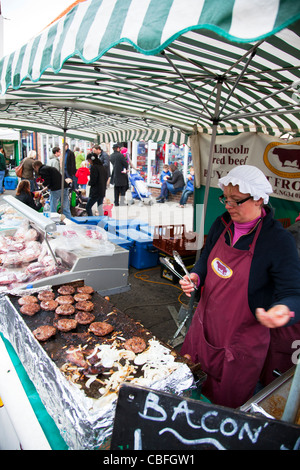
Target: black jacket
x,y
176,179
52,177
97,182
104,158
119,163
70,167
27,198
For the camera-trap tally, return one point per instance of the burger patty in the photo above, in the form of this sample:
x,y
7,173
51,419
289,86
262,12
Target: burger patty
x,y
30,309
84,318
100,328
49,304
82,297
46,295
85,290
135,344
65,299
42,333
27,299
66,309
85,305
66,324
66,290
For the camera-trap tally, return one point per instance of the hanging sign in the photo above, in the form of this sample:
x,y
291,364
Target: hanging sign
x,y
147,419
277,158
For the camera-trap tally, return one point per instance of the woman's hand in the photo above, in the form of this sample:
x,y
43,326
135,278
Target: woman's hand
x,y
275,317
186,285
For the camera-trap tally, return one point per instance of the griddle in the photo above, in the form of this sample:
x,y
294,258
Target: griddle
x,y
124,327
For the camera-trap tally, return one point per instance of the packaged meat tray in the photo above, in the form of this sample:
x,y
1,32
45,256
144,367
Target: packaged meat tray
x,y
78,356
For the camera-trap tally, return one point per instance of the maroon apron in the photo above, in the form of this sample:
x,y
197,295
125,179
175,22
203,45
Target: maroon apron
x,y
224,336
281,351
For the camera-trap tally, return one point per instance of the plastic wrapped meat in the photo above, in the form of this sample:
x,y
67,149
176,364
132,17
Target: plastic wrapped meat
x,y
31,235
12,259
16,246
7,278
31,252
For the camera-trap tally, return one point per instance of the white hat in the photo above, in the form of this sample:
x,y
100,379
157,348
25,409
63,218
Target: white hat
x,y
250,180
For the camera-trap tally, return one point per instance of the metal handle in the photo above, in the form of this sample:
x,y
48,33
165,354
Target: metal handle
x,y
179,260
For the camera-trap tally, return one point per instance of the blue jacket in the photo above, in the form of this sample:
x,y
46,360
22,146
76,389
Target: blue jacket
x,y
163,174
275,269
190,184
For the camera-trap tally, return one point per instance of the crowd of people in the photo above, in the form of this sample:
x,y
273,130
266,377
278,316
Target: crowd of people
x,y
90,174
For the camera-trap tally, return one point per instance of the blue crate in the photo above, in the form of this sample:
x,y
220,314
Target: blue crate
x,y
136,224
10,182
123,242
148,229
143,254
115,225
92,220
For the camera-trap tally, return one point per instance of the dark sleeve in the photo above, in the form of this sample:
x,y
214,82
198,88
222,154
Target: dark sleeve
x,y
173,178
285,272
46,177
93,176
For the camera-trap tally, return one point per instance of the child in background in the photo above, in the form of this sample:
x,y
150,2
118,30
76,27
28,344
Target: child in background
x,y
82,175
189,188
107,207
165,172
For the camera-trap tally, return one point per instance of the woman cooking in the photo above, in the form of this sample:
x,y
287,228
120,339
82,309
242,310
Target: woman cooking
x,y
249,276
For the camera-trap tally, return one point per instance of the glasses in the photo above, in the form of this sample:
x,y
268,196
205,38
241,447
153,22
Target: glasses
x,y
233,203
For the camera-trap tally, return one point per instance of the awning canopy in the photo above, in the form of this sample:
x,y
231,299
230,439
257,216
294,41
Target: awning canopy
x,y
160,70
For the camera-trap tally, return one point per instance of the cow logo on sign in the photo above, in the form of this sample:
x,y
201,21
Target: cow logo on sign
x,y
221,269
283,159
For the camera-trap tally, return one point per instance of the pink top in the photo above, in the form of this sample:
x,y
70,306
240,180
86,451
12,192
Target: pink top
x,y
242,229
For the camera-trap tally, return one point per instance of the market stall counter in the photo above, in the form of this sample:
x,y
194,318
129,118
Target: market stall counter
x,y
77,359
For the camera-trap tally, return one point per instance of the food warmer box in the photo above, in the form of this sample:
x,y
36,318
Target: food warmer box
x,y
280,399
106,273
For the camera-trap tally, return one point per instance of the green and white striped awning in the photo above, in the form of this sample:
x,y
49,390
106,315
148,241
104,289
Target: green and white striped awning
x,y
159,69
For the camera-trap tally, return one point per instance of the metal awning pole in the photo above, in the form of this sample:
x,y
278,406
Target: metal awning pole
x,y
210,161
63,164
212,144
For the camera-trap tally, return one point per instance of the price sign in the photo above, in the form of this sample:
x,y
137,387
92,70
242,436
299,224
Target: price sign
x,y
147,419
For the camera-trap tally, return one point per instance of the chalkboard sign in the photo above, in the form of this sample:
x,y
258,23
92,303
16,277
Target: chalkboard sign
x,y
146,419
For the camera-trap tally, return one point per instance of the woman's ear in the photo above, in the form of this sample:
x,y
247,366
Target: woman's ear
x,y
259,202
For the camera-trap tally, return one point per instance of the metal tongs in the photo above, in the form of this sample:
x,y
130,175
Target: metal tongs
x,y
170,266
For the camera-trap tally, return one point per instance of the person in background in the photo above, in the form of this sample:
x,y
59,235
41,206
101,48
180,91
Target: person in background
x,y
165,172
52,179
2,169
24,194
54,158
119,175
248,274
189,188
172,184
79,158
107,207
104,159
97,184
70,166
126,154
82,175
27,173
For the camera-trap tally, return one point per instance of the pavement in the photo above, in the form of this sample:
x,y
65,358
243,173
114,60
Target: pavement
x,y
153,300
